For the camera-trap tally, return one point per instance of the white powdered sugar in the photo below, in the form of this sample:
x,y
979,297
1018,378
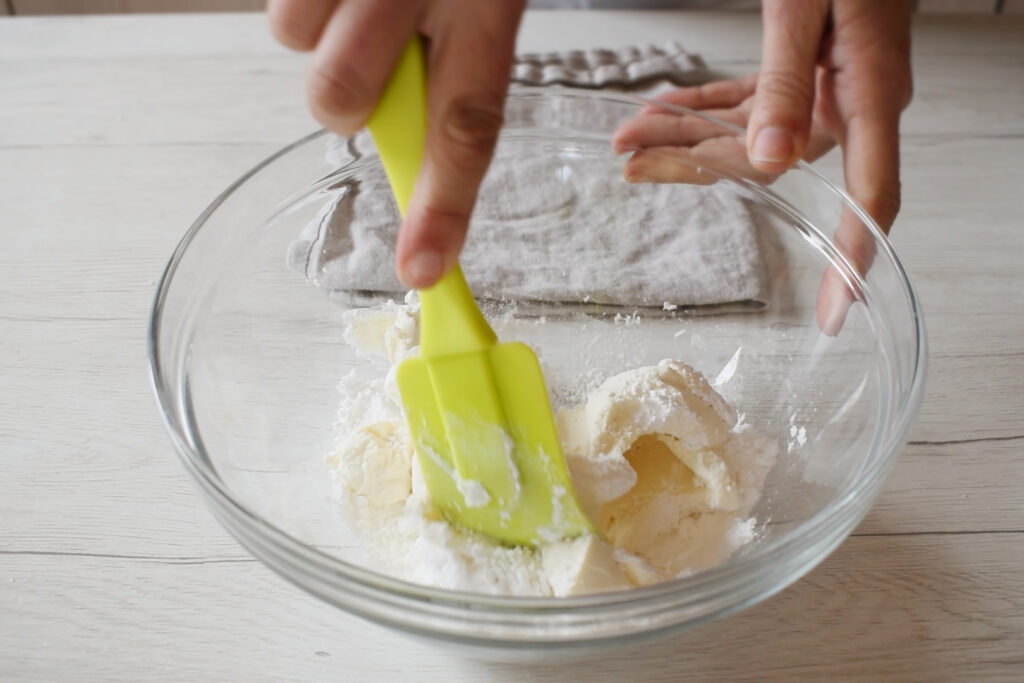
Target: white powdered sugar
x,y
654,454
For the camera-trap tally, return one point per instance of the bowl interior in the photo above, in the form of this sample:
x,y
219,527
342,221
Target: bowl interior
x,y
252,351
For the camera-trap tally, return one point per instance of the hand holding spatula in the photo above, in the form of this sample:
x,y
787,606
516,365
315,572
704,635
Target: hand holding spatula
x,y
478,411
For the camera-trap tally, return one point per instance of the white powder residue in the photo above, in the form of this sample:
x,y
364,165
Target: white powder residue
x,y
797,437
662,465
553,533
630,320
473,492
407,539
741,533
517,479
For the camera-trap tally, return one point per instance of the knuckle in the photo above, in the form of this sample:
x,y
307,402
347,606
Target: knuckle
x,y
337,92
786,88
884,205
891,201
886,71
444,224
473,121
288,27
707,93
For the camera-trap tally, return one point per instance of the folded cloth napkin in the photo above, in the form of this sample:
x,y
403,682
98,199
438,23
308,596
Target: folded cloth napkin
x,y
536,239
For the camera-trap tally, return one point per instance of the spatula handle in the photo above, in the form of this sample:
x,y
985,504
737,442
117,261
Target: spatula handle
x,y
399,123
450,321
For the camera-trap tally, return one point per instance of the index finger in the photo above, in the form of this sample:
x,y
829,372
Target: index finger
x,y
871,162
470,61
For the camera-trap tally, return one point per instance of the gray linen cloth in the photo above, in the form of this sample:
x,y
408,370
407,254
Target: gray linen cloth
x,y
538,240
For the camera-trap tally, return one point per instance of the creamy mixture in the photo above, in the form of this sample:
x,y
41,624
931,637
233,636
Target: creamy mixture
x,y
656,456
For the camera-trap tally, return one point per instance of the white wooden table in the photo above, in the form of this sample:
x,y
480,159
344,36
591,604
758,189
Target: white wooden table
x,y
115,132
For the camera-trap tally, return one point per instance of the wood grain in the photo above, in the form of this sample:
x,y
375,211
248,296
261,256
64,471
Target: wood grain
x,y
110,567
918,608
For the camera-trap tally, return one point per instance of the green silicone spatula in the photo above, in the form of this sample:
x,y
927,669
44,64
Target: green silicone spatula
x,y
478,410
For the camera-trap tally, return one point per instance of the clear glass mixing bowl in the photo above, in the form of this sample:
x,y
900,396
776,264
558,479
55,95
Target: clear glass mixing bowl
x,y
246,354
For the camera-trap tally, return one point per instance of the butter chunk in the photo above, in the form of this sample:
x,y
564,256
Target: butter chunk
x,y
391,331
374,463
582,566
712,479
597,478
669,398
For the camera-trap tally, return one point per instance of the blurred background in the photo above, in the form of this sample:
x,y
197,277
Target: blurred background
x,y
30,7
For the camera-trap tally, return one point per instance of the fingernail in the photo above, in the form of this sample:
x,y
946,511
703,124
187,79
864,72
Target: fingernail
x,y
422,270
773,146
636,176
837,305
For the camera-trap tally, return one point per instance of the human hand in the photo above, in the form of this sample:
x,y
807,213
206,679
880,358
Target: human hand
x,y
816,87
356,45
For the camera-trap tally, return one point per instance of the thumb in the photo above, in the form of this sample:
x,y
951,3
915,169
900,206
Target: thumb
x,y
780,121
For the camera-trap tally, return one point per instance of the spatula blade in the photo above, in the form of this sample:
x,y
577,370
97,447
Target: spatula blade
x,y
487,444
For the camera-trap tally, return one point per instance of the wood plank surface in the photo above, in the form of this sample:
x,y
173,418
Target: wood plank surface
x,y
111,568
906,608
